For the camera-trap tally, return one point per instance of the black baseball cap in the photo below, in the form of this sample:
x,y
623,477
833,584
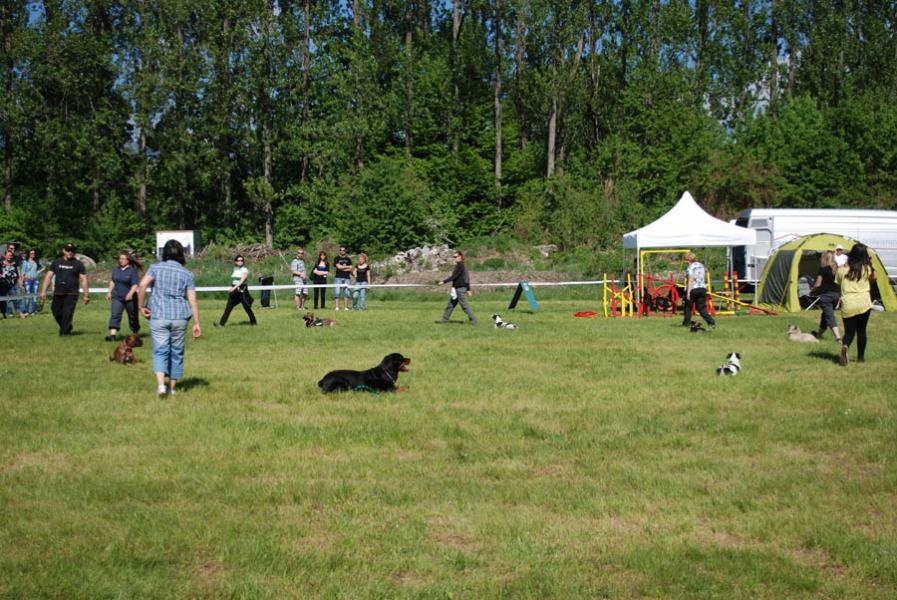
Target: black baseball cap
x,y
70,247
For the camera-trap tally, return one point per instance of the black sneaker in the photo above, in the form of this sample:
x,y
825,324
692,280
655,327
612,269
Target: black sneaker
x,y
816,335
110,338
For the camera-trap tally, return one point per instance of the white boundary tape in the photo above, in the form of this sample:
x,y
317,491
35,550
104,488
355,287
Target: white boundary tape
x,y
222,288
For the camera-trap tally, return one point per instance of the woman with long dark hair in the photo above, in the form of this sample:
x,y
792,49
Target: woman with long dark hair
x,y
319,278
856,281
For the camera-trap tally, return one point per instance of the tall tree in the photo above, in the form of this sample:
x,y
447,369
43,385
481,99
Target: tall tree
x,y
498,33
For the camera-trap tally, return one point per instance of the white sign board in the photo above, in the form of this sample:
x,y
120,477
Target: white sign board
x,y
188,238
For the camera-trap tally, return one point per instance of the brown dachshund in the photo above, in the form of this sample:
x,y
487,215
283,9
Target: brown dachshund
x,y
311,321
124,353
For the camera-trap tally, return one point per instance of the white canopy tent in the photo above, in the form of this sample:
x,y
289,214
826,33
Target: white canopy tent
x,y
687,225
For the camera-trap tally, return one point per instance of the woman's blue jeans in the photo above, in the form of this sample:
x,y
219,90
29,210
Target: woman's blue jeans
x,y
169,339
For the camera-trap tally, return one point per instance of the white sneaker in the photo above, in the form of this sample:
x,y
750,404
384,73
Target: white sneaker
x,y
337,309
161,391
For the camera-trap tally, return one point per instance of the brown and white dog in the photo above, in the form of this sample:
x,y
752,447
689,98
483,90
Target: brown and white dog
x,y
124,353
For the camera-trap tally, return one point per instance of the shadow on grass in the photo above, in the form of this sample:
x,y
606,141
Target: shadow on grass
x,y
191,382
824,355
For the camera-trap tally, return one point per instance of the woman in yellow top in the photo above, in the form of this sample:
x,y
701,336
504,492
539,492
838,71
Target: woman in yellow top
x,y
856,280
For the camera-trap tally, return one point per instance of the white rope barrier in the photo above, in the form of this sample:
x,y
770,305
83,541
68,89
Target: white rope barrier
x,y
225,288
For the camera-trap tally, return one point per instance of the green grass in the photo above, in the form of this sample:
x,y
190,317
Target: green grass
x,y
570,458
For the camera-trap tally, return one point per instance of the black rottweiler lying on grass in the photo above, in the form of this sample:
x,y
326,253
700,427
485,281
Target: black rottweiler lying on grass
x,y
381,378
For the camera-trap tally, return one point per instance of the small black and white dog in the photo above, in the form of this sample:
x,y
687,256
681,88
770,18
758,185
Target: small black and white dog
x,y
502,324
732,365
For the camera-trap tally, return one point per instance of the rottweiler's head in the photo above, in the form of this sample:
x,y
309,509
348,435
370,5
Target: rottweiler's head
x,y
395,362
133,341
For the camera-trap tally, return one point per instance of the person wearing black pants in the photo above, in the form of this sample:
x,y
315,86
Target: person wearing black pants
x,y
856,281
319,278
238,294
68,272
696,291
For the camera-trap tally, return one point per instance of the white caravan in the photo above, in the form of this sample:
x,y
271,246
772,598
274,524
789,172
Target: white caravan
x,y
776,226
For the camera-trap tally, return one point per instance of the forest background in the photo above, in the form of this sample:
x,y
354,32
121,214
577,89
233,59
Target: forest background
x,y
385,124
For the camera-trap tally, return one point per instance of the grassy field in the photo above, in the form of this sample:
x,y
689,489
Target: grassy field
x,y
570,458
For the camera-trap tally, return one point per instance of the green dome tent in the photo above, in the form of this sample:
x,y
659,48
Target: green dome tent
x,y
791,271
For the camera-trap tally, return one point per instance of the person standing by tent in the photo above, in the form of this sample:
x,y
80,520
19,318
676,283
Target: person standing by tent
x,y
827,291
856,302
696,291
840,257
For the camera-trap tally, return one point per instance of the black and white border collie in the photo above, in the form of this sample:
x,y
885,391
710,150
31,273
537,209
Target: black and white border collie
x,y
732,365
500,324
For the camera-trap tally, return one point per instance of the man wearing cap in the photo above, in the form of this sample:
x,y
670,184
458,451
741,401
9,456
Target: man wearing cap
x,y
69,273
840,256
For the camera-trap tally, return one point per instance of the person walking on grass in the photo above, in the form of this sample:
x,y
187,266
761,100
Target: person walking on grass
x,y
460,279
171,307
68,272
238,294
696,291
122,294
856,281
342,272
826,289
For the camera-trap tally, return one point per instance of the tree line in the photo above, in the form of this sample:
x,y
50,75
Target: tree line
x,y
388,123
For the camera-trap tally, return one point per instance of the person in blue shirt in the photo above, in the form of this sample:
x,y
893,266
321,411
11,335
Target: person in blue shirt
x,y
122,293
171,306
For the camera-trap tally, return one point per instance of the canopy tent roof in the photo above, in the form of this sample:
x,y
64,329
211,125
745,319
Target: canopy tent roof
x,y
686,225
